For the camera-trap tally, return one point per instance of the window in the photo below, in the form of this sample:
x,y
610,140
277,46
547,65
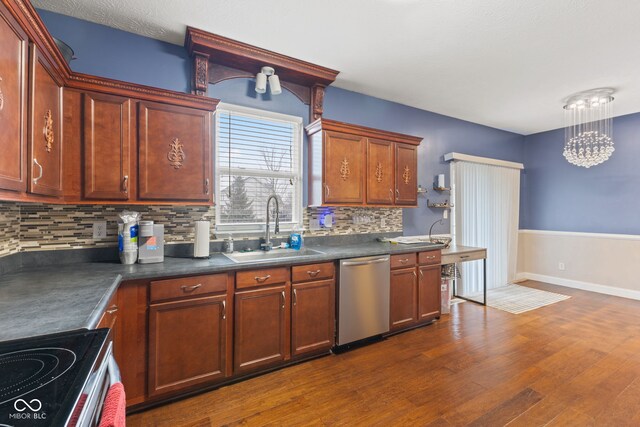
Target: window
x,y
258,153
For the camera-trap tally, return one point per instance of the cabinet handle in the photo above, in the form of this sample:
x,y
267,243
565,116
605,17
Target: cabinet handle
x,y
186,288
421,273
284,298
263,278
415,275
397,193
125,183
464,256
391,194
206,186
224,309
431,257
113,309
327,191
313,273
404,261
295,296
35,180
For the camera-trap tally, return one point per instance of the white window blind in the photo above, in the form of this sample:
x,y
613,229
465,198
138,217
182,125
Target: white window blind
x,y
258,154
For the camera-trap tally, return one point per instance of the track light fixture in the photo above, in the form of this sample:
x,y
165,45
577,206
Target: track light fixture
x,y
274,81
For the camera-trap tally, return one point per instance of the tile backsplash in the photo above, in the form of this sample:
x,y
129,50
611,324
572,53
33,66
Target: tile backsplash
x,y
36,227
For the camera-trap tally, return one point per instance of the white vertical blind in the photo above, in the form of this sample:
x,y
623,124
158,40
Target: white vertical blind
x,y
486,212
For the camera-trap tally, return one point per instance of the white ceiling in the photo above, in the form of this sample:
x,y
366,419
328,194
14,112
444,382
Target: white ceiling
x,y
502,63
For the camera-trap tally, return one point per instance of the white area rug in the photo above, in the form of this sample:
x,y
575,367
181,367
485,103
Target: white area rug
x,y
518,299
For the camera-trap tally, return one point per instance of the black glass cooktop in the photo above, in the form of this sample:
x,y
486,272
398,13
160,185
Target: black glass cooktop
x,y
42,378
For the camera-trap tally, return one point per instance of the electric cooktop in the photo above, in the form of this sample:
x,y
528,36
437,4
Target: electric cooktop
x,y
42,378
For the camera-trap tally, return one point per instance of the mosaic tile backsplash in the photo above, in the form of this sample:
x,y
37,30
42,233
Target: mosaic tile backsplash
x,y
36,227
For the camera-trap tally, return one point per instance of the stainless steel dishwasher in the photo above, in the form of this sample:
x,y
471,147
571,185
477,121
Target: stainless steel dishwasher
x,y
363,298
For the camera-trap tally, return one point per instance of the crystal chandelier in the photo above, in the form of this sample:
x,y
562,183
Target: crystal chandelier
x,y
588,132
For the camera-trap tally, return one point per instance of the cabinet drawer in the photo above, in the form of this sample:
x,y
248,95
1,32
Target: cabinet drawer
x,y
431,257
187,287
403,260
267,276
304,273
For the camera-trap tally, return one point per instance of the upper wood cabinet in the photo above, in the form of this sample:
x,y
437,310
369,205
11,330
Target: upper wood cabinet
x,y
107,146
13,104
380,172
352,165
174,153
406,174
343,168
45,128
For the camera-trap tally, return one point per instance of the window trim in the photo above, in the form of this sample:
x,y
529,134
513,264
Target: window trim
x,y
258,228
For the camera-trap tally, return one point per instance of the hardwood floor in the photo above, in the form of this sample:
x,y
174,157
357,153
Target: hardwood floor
x,y
576,362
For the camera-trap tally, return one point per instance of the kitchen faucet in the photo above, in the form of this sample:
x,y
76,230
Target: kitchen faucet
x,y
267,245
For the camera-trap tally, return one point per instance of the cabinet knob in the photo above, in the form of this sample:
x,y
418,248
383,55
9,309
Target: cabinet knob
x,y
35,180
125,183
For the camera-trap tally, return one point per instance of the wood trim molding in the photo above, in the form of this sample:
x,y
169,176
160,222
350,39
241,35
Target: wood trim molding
x,y
200,73
326,124
483,160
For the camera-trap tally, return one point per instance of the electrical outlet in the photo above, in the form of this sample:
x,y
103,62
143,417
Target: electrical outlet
x,y
445,213
561,266
314,224
100,230
383,222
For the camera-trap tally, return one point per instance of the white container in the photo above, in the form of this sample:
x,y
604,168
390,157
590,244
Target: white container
x,y
201,242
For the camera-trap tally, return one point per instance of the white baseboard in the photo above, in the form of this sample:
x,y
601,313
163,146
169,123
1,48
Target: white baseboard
x,y
576,284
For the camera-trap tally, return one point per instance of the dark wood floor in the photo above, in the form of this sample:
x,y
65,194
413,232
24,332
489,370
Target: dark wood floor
x,y
576,362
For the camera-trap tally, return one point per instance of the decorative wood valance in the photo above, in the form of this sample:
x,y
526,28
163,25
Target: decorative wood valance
x,y
217,58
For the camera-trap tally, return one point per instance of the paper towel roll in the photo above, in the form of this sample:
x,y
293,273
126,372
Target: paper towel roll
x,y
441,181
201,243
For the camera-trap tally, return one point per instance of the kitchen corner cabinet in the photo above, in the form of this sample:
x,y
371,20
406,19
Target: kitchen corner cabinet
x,y
352,165
406,175
107,147
13,103
174,153
45,128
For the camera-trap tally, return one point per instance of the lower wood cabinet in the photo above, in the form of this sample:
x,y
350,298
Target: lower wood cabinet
x,y
313,322
403,311
262,336
429,292
187,343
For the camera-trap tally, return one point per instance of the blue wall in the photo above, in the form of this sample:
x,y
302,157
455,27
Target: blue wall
x,y
116,54
601,199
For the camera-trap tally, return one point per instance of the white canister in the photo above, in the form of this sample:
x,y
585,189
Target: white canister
x,y
201,241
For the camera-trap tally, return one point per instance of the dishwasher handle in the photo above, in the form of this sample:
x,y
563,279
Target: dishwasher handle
x,y
373,261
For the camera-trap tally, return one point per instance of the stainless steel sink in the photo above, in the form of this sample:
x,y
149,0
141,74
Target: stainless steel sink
x,y
275,254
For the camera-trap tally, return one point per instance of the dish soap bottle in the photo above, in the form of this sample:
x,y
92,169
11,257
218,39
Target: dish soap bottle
x,y
295,239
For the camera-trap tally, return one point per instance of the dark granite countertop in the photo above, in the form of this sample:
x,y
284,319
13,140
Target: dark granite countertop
x,y
45,300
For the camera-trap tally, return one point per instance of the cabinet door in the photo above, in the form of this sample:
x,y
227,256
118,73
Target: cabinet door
x,y
187,342
429,293
343,168
174,153
406,174
380,172
107,141
45,134
404,298
13,104
313,317
261,328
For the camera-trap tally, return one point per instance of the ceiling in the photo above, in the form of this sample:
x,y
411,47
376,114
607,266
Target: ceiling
x,y
502,63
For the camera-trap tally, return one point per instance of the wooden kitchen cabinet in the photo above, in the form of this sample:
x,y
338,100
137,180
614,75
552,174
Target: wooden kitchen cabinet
x,y
428,293
380,172
187,343
313,312
262,328
351,165
403,311
107,145
406,169
45,128
174,149
343,168
13,103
